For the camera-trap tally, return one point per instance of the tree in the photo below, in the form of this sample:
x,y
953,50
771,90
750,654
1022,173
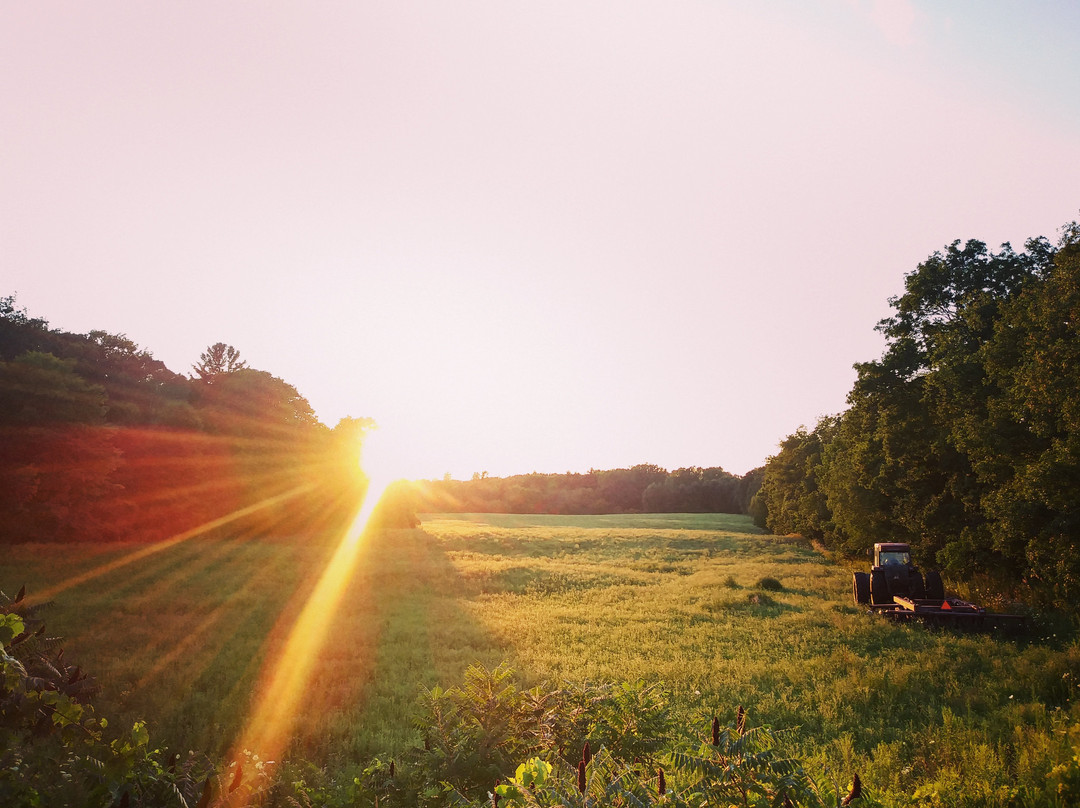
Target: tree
x,y
39,388
964,437
254,403
902,466
141,389
346,449
694,490
855,479
56,460
19,332
1028,451
790,491
216,360
622,489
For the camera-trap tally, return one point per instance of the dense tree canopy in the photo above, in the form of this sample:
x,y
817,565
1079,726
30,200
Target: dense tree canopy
x,y
964,437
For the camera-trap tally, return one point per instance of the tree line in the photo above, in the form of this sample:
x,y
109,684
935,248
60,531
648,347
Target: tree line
x,y
640,489
100,440
964,437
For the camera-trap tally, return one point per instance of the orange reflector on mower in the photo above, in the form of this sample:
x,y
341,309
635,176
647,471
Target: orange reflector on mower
x,y
945,605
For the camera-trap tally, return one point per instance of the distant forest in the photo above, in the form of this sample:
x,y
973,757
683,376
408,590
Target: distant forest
x,y
964,438
640,489
100,441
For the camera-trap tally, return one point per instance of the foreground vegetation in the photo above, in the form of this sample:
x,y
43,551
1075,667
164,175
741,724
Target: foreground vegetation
x,y
665,619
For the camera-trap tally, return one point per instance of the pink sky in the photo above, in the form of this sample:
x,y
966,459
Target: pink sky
x,y
526,236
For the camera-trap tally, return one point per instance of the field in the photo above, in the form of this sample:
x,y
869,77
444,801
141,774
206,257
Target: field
x,y
180,637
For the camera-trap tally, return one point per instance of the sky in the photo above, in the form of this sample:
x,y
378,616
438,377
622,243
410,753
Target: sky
x,y
526,236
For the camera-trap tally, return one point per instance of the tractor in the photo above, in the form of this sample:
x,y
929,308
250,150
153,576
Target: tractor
x,y
892,575
895,589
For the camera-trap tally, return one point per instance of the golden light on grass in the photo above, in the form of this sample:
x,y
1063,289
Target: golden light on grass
x,y
285,677
157,547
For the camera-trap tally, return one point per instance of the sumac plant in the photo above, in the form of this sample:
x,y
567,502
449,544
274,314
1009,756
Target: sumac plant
x,y
476,733
744,768
488,743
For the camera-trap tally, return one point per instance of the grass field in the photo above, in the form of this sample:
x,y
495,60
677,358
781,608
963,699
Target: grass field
x,y
180,637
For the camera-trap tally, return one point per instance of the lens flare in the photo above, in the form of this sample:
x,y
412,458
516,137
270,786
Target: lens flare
x,y
277,705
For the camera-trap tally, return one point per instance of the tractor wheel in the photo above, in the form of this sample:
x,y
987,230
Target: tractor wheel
x,y
879,588
935,590
915,586
860,587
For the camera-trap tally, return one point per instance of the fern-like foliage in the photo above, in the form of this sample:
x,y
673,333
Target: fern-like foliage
x,y
476,733
640,760
608,782
744,767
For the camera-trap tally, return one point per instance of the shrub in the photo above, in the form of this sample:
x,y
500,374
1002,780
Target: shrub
x,y
473,734
741,766
769,584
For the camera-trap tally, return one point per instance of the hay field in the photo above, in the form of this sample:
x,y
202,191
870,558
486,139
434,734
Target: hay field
x,y
179,637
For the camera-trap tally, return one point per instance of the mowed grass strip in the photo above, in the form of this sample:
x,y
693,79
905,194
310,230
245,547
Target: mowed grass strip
x,y
181,637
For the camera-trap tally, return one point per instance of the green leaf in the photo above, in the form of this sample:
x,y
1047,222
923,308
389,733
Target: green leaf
x,y
533,772
139,734
11,626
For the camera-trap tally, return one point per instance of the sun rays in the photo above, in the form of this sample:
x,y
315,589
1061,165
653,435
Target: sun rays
x,y
336,499
143,552
268,730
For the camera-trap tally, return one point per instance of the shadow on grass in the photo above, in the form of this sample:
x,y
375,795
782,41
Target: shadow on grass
x,y
398,628
186,638
750,604
424,638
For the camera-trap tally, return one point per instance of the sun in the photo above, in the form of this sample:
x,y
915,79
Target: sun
x,y
384,459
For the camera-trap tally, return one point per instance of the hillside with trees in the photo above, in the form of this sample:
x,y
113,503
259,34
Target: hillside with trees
x,y
99,440
964,437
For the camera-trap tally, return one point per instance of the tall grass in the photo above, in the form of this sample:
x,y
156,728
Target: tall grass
x,y
670,598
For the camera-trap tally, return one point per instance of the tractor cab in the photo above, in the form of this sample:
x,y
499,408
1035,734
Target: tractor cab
x,y
892,561
893,575
892,554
